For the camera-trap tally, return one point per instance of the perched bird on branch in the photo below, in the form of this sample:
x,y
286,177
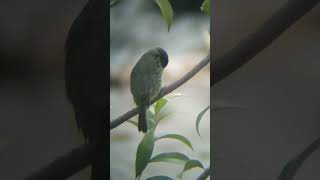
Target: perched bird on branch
x,y
146,78
86,79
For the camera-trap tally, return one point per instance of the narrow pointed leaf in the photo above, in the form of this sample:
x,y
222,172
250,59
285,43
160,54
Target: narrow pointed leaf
x,y
150,119
206,7
172,157
200,117
177,137
190,165
152,108
144,152
161,118
159,105
166,11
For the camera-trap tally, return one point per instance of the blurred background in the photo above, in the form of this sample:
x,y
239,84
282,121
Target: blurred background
x,y
135,27
279,89
33,105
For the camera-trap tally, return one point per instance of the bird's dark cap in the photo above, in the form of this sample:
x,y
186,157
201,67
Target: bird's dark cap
x,y
163,57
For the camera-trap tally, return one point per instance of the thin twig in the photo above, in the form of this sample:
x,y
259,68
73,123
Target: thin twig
x,y
205,174
254,43
166,90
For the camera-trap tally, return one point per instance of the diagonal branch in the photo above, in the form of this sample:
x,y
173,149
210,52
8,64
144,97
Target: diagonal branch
x,y
166,90
269,31
66,165
80,157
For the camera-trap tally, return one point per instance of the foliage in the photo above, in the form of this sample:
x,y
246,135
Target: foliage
x,y
200,117
167,11
146,146
206,7
177,137
144,152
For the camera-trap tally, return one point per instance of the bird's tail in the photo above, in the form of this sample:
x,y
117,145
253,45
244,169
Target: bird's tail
x,y
142,123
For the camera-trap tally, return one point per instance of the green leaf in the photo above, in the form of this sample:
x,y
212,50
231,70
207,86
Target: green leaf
x,y
159,178
166,11
172,157
200,115
177,137
159,105
152,107
144,152
206,7
161,118
150,120
190,165
133,123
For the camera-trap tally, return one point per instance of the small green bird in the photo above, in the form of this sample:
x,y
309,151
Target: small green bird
x,y
146,78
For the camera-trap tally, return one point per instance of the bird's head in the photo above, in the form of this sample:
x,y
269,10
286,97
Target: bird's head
x,y
161,55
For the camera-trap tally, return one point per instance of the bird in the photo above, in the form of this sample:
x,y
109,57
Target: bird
x,y
86,69
145,82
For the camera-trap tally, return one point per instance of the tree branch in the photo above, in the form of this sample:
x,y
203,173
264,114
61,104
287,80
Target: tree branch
x,y
66,165
269,31
205,174
164,91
